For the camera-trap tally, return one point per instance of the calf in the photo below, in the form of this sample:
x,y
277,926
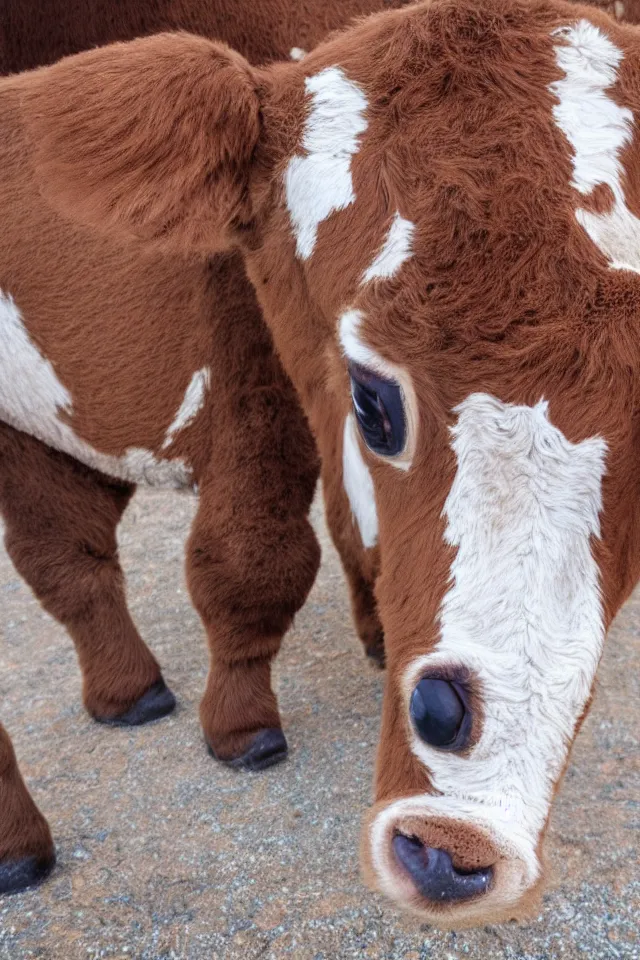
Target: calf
x,y
36,32
122,365
439,211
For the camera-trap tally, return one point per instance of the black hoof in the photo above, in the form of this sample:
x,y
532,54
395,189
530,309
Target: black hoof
x,y
157,702
18,875
267,748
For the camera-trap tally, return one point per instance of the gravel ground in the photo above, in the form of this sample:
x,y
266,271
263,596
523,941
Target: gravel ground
x,y
163,854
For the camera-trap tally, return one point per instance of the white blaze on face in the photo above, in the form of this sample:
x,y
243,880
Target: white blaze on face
x,y
598,129
359,485
523,612
32,398
395,250
319,182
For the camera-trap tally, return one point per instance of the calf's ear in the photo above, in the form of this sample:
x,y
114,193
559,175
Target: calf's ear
x,y
151,138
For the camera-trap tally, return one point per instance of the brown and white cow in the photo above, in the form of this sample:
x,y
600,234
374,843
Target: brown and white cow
x,y
440,212
138,366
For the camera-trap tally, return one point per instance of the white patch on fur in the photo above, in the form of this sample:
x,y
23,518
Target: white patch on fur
x,y
297,53
598,129
31,394
359,484
194,400
356,350
32,399
395,251
320,181
523,612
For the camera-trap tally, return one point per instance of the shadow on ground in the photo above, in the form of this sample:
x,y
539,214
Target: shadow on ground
x,y
163,854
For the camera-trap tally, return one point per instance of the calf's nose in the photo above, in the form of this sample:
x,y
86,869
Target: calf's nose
x,y
434,874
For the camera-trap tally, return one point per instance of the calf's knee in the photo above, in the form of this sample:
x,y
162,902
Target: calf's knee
x,y
256,579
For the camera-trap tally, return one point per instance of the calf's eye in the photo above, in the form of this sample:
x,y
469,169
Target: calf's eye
x,y
379,410
439,713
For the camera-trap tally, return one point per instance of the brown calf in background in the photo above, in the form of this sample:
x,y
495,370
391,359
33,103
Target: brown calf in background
x,y
36,32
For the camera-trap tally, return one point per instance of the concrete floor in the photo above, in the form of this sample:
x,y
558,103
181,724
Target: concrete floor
x,y
163,854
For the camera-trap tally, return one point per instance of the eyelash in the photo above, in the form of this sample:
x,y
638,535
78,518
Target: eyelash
x,y
379,411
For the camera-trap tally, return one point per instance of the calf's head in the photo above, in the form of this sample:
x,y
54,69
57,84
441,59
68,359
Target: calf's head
x,y
439,211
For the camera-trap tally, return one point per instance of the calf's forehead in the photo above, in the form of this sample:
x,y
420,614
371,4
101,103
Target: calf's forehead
x,y
459,131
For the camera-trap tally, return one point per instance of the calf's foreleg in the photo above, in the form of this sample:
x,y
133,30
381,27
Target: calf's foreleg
x,y
60,532
249,572
252,555
27,853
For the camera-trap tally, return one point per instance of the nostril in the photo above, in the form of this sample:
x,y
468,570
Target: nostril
x,y
434,874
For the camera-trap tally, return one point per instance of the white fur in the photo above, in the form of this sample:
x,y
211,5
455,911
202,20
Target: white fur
x,y
32,399
297,53
359,484
193,402
356,350
523,613
320,181
31,396
395,251
598,129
